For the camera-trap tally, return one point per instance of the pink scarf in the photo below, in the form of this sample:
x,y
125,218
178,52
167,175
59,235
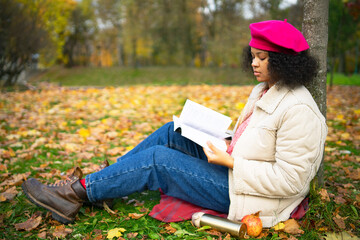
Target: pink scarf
x,y
240,130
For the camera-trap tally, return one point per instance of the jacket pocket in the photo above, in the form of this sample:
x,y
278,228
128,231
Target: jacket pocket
x,y
256,143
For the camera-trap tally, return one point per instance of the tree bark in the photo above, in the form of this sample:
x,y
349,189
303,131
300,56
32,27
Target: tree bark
x,y
315,30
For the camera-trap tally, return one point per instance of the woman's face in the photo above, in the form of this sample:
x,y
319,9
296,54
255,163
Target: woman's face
x,y
260,61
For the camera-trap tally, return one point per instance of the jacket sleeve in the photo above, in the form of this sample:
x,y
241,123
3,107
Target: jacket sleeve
x,y
298,153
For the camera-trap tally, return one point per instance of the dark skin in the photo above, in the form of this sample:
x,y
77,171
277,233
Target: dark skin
x,y
260,61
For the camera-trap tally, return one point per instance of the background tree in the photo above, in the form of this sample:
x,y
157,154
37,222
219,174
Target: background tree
x,y
354,9
21,36
82,27
28,28
111,12
315,30
342,33
54,16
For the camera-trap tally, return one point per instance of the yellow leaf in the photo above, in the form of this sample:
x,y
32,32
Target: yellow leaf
x,y
71,147
329,149
240,105
79,122
114,113
128,148
104,121
11,152
116,232
340,116
278,227
2,198
345,136
84,132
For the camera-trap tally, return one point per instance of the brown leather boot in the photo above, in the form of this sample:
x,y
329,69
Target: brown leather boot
x,y
100,204
64,198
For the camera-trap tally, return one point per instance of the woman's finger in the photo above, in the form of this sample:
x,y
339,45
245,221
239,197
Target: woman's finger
x,y
212,147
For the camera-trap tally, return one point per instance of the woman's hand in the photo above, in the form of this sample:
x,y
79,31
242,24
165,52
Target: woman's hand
x,y
219,157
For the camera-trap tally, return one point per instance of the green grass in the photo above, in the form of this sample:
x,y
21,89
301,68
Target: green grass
x,y
117,76
341,79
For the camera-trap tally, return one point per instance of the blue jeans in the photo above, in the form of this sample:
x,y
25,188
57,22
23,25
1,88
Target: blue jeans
x,y
168,161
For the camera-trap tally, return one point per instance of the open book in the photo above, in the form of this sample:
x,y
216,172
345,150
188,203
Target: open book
x,y
201,124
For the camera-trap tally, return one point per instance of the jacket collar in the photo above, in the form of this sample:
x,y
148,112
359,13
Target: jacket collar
x,y
272,98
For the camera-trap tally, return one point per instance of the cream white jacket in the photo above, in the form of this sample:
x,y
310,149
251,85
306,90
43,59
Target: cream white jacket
x,y
277,155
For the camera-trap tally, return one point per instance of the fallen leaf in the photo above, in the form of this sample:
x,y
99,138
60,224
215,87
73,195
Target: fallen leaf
x,y
355,174
42,235
348,185
279,227
292,227
3,167
292,238
116,232
214,232
61,231
83,132
30,224
339,221
227,237
107,208
169,229
136,215
115,151
144,210
15,180
324,195
339,200
8,194
139,204
339,236
132,235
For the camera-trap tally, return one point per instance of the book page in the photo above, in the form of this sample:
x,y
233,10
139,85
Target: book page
x,y
205,119
201,138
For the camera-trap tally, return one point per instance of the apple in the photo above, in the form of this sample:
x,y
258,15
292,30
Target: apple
x,y
253,224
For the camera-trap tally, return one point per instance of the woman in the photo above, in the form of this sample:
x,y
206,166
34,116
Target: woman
x,y
275,152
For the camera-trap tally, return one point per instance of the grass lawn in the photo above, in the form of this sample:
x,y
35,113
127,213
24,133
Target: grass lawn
x,y
46,132
116,76
341,79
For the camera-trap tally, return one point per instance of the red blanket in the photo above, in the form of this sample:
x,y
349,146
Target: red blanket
x,y
172,209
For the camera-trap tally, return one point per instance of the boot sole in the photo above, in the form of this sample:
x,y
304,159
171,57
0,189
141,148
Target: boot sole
x,y
55,214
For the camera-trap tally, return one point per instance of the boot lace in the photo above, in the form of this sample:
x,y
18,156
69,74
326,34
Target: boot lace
x,y
60,183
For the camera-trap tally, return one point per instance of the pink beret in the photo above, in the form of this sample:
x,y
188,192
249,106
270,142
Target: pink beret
x,y
277,36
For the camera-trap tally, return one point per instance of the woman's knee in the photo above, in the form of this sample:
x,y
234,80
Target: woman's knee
x,y
169,126
171,134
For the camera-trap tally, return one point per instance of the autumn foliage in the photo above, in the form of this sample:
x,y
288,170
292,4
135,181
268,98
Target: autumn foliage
x,y
45,132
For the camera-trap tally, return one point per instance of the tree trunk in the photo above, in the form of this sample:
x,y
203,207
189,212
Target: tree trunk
x,y
315,30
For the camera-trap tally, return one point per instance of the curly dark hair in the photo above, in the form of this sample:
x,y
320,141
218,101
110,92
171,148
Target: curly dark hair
x,y
288,70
